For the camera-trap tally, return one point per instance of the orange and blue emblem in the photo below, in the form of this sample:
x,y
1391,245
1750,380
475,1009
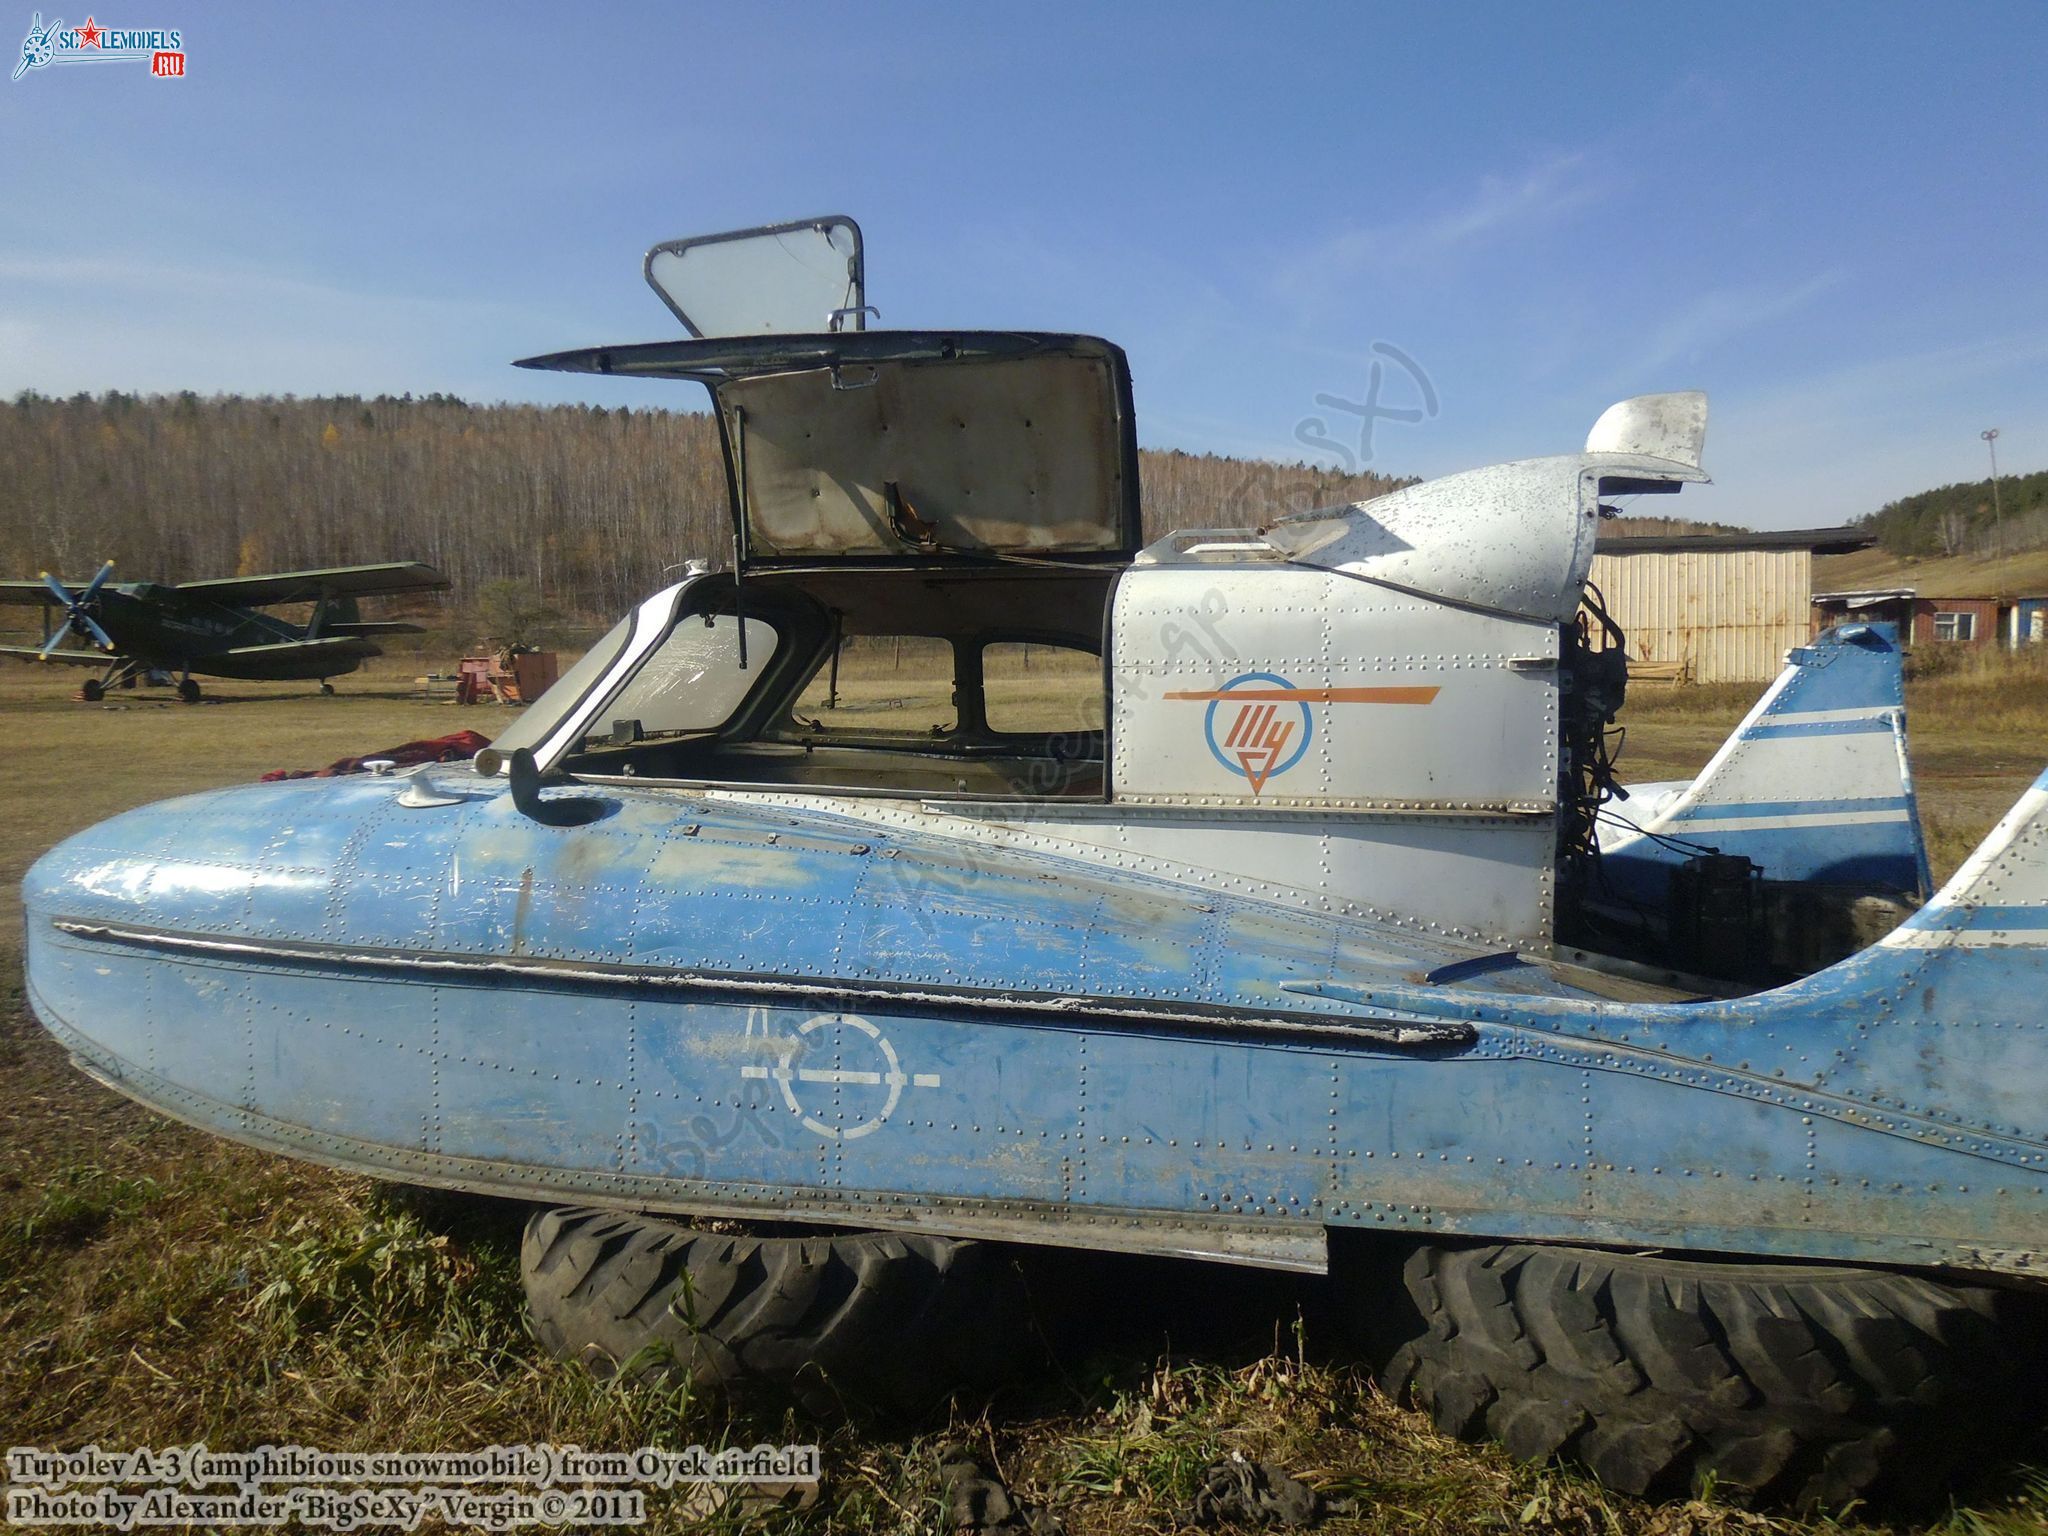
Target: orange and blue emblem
x,y
1266,722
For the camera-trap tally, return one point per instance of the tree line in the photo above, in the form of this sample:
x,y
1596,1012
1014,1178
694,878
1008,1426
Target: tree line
x,y
588,509
1962,519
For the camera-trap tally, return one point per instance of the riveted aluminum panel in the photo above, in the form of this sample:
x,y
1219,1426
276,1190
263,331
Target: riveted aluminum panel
x,y
1515,538
1256,687
1486,882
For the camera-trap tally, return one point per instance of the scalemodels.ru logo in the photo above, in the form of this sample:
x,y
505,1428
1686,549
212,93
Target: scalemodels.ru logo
x,y
161,48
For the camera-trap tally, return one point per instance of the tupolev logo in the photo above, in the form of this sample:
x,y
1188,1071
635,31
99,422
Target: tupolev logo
x,y
1265,722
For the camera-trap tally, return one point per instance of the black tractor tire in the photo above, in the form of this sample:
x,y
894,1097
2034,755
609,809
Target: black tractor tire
x,y
847,1322
1807,1385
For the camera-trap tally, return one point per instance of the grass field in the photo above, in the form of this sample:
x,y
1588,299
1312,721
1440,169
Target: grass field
x,y
2022,572
158,1286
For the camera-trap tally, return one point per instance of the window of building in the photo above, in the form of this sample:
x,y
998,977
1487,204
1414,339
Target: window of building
x,y
1041,690
1955,626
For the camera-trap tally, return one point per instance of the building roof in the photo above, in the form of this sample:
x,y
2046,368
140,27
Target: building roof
x,y
1900,594
1822,541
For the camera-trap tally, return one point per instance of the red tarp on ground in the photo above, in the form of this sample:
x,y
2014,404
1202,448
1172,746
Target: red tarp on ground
x,y
456,748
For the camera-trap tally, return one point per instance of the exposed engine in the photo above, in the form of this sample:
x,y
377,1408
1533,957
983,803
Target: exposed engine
x,y
1592,685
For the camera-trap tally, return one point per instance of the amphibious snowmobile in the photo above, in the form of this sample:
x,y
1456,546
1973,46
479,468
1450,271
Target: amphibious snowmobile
x,y
951,871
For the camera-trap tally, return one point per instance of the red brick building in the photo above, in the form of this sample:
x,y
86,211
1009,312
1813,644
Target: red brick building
x,y
1933,620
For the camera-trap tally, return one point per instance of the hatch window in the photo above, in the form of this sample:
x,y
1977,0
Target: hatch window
x,y
1041,690
883,685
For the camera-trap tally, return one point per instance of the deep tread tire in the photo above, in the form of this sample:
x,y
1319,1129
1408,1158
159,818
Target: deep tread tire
x,y
1803,1384
851,1321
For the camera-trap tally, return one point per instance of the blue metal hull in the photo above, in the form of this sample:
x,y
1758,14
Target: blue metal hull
x,y
704,1005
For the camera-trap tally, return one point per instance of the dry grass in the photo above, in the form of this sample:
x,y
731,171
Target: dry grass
x,y
2024,572
160,1286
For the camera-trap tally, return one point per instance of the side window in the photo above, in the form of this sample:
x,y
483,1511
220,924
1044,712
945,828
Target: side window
x,y
882,685
1041,690
1955,626
693,681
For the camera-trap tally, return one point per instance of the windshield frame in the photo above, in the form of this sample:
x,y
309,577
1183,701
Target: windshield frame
x,y
652,620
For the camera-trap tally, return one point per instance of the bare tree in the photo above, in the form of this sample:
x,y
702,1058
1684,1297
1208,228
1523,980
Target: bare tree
x,y
584,508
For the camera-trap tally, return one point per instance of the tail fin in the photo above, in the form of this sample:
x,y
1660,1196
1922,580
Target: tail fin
x,y
1998,899
1814,785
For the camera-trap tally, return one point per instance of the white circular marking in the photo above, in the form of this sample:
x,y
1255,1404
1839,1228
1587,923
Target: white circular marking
x,y
787,1075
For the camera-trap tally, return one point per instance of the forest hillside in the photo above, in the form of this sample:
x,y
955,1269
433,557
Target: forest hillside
x,y
587,508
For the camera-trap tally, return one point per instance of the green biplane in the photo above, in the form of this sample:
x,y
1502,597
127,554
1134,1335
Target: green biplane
x,y
215,628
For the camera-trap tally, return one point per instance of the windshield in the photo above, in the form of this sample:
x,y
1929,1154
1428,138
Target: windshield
x,y
560,716
692,683
534,721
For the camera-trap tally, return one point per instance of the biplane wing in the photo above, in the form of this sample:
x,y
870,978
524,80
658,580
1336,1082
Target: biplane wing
x,y
337,646
69,658
310,586
30,592
361,627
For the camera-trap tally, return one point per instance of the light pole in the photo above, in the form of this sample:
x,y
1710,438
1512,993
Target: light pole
x,y
1990,436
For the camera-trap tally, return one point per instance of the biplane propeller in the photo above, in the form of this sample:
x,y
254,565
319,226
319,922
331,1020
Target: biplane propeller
x,y
78,612
216,628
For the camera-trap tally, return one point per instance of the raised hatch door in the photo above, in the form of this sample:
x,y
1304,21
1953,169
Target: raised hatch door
x,y
804,277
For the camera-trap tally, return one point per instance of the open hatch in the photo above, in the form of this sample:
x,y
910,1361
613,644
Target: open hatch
x,y
806,275
927,527
923,446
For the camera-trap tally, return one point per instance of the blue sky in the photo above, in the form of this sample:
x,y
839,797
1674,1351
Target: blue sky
x,y
1833,218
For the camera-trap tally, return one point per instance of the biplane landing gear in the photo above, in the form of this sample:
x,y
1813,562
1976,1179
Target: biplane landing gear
x,y
188,692
120,673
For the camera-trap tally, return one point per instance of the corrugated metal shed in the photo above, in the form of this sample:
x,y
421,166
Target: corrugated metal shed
x,y
1715,607
1718,615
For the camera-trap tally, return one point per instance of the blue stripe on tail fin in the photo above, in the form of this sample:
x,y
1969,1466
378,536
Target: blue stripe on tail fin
x,y
1998,899
1814,785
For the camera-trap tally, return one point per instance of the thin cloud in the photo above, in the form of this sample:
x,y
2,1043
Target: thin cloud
x,y
238,328
1494,208
240,283
1841,442
1721,313
1886,387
